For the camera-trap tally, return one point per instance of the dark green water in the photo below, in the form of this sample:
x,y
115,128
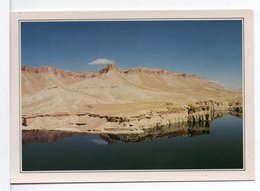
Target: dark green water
x,y
218,146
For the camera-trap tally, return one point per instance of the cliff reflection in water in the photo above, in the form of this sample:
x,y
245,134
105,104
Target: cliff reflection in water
x,y
171,130
44,136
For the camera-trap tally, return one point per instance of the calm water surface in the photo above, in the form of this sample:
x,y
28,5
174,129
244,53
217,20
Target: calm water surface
x,y
220,146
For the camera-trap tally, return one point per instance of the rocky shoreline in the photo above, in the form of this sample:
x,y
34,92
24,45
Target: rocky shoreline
x,y
170,130
87,122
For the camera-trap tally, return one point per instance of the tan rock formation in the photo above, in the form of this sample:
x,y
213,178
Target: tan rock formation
x,y
115,100
36,79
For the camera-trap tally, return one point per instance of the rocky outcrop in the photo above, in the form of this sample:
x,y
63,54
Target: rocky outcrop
x,y
57,71
190,115
37,79
109,67
235,106
148,71
140,70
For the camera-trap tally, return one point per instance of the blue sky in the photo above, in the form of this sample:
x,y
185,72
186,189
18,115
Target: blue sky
x,y
212,49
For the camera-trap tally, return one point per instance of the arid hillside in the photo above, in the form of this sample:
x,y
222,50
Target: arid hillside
x,y
36,79
113,93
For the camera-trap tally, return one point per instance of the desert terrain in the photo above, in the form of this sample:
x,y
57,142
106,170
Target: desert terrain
x,y
118,101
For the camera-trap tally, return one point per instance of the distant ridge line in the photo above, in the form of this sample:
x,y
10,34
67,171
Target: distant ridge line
x,y
107,68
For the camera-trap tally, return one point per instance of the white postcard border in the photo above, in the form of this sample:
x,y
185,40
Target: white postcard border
x,y
133,176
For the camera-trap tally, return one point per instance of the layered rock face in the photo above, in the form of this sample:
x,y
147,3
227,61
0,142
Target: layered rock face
x,y
116,100
37,79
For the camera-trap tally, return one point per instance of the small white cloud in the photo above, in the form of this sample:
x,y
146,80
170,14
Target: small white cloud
x,y
101,61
